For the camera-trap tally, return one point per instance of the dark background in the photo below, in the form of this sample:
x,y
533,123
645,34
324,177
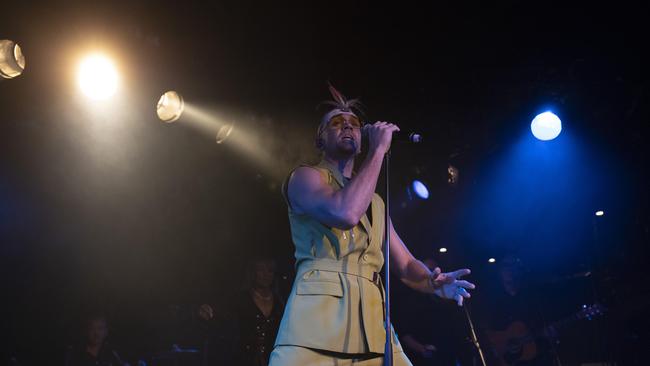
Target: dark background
x,y
106,207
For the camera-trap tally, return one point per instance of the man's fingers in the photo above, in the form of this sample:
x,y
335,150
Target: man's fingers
x,y
465,284
460,273
459,299
464,293
436,272
386,125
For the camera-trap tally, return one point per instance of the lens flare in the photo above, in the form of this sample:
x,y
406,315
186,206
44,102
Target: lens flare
x,y
224,133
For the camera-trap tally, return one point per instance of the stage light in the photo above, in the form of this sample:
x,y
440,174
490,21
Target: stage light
x,y
420,189
224,132
600,213
97,77
492,260
12,60
170,106
443,250
452,175
546,126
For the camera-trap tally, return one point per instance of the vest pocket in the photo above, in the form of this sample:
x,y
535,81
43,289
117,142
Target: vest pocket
x,y
320,283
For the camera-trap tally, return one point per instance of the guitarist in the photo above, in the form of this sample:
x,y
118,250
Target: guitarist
x,y
513,322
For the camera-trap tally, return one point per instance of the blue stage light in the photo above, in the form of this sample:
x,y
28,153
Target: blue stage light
x,y
546,126
420,189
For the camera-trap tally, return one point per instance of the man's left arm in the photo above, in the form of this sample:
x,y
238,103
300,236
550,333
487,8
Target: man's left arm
x,y
418,277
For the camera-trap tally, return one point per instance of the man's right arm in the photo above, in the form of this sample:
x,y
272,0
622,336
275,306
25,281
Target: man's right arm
x,y
310,194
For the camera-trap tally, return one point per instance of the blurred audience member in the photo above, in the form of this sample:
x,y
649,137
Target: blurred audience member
x,y
95,350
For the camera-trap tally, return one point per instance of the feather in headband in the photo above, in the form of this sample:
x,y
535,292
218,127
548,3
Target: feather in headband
x,y
340,105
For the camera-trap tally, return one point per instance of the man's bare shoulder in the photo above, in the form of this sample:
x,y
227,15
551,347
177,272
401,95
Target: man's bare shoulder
x,y
306,177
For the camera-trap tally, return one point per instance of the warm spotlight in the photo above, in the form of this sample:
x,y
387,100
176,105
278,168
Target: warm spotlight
x,y
170,106
97,77
546,126
224,132
12,61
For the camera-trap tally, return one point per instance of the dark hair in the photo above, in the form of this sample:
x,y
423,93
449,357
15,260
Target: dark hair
x,y
249,275
249,270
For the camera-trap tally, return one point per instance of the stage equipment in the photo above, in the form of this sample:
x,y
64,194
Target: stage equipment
x,y
420,189
491,260
452,175
170,107
546,126
600,213
398,136
12,60
388,346
97,77
474,338
442,250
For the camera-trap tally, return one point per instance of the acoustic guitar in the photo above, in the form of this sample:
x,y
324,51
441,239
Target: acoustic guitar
x,y
517,343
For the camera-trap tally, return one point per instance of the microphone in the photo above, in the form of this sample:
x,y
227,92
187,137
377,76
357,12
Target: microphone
x,y
398,136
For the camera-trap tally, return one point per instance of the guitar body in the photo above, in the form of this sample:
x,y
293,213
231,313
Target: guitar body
x,y
517,343
513,344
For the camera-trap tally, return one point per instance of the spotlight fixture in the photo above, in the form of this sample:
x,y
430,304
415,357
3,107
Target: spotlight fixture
x,y
170,107
12,60
420,189
546,126
600,213
97,77
492,260
442,250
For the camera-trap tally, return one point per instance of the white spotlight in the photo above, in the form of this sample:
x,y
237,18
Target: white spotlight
x,y
443,250
97,77
170,107
492,260
546,126
600,213
12,60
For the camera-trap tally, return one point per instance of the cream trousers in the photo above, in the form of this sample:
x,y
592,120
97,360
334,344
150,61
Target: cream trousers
x,y
301,356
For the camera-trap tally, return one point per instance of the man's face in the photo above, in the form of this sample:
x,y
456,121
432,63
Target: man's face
x,y
342,136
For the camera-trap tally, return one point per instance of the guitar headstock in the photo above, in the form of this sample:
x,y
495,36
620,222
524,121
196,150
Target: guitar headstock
x,y
588,312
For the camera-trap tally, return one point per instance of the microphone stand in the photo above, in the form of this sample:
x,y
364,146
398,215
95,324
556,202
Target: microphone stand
x,y
388,348
473,336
